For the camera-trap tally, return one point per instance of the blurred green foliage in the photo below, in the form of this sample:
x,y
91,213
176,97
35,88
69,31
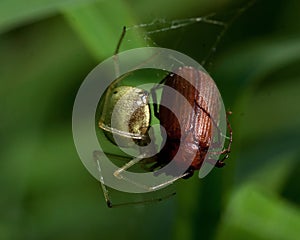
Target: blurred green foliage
x,y
46,50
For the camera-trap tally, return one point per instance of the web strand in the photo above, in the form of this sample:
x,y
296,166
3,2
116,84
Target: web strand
x,y
163,25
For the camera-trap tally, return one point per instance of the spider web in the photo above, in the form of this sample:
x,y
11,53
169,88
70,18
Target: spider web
x,y
159,32
203,33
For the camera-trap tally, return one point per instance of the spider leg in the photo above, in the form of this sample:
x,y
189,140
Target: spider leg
x,y
97,156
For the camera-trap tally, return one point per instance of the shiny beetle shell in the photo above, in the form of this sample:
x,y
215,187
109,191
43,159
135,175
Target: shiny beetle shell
x,y
202,93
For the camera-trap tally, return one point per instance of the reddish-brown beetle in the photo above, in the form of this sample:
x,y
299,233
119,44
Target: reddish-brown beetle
x,y
202,94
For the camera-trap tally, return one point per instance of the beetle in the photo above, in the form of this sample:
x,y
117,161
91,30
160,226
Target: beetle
x,y
202,94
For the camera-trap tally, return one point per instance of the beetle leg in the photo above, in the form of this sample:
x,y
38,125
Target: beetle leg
x,y
230,132
221,163
226,151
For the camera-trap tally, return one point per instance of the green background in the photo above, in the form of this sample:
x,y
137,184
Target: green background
x,y
48,47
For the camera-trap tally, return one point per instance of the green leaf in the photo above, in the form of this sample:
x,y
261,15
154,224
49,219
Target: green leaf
x,y
14,13
254,214
243,67
100,26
